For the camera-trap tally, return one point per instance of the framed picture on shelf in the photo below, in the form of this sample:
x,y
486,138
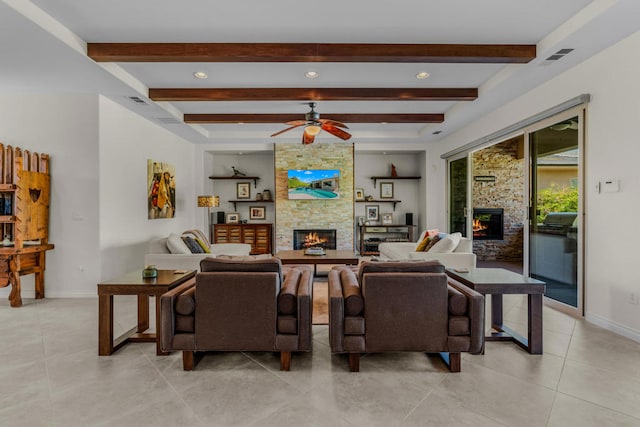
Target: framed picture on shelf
x,y
243,190
387,218
233,218
257,212
372,213
386,190
359,193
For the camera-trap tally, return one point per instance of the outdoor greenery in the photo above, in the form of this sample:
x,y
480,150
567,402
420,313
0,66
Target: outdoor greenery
x,y
557,199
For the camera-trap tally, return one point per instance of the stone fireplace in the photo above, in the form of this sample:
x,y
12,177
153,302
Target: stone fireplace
x,y
488,224
314,238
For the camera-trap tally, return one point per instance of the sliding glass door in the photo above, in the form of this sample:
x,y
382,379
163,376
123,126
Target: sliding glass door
x,y
458,193
554,237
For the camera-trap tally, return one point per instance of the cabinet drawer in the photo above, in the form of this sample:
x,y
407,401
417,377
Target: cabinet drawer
x,y
375,229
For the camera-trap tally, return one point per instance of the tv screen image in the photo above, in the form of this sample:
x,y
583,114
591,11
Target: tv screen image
x,y
318,184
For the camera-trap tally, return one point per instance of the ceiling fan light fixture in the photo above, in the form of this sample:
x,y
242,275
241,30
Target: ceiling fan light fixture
x,y
422,75
311,74
200,75
312,129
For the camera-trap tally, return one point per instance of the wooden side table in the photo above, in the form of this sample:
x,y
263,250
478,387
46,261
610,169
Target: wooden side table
x,y
497,282
133,284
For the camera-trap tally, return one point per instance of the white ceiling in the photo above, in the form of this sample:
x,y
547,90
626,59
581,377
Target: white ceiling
x,y
43,49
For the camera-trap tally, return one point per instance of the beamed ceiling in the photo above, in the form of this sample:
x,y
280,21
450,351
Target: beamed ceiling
x,y
143,55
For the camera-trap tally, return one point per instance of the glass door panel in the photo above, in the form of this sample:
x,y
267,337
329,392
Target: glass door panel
x,y
554,209
458,185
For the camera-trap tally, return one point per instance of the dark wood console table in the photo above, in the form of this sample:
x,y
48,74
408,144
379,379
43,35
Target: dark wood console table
x,y
16,262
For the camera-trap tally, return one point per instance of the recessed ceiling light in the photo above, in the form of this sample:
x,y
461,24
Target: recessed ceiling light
x,y
311,74
422,75
200,75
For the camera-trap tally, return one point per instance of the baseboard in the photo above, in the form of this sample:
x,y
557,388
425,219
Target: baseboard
x,y
30,293
612,326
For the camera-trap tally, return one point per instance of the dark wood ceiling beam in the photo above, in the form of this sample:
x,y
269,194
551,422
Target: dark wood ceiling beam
x,y
311,94
288,117
311,52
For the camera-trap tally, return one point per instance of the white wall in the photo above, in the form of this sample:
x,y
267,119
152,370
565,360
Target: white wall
x,y
612,151
65,127
126,142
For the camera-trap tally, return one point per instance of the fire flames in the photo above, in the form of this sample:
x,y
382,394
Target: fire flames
x,y
479,227
312,239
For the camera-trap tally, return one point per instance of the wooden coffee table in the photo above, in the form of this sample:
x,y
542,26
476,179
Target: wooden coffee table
x,y
497,282
331,256
133,284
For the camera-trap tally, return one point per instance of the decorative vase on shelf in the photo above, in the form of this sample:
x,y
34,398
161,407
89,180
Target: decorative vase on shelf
x,y
6,241
266,195
259,196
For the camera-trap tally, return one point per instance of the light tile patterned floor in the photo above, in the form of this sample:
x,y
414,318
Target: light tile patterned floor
x,y
51,375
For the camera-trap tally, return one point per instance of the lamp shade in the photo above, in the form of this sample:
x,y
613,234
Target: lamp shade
x,y
208,201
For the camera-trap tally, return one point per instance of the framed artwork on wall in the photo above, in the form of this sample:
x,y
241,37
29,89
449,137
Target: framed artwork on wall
x,y
243,190
161,189
387,218
359,193
233,218
372,213
257,212
386,190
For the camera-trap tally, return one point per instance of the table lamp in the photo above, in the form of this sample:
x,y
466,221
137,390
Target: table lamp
x,y
209,202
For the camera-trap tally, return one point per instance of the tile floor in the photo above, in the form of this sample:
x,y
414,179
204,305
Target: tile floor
x,y
51,375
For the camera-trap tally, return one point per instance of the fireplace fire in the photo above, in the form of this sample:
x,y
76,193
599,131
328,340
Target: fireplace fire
x,y
488,224
314,238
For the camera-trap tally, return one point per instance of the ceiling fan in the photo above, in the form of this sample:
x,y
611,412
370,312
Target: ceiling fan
x,y
313,124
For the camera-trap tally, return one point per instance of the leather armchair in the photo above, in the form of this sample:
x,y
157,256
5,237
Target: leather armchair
x,y
403,306
239,306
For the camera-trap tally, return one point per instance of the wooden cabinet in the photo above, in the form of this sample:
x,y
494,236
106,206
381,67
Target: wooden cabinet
x,y
372,235
259,236
24,219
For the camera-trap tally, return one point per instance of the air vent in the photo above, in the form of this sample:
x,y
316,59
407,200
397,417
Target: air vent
x,y
168,120
559,54
137,100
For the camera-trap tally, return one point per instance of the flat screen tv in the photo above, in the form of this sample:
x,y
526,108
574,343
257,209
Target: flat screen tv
x,y
316,184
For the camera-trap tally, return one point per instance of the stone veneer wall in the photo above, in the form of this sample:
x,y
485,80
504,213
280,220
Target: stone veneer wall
x,y
335,213
505,162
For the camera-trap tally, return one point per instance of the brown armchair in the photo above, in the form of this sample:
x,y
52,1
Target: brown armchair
x,y
234,305
403,306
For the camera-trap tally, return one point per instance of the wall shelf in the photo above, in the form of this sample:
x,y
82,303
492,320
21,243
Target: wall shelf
x,y
375,178
239,178
248,201
394,201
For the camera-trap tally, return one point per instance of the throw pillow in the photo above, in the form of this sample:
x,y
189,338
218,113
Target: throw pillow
x,y
193,246
203,245
176,245
432,242
422,245
447,244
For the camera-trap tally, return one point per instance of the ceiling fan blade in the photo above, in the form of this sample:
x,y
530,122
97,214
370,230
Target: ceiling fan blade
x,y
307,139
287,129
334,123
336,131
296,123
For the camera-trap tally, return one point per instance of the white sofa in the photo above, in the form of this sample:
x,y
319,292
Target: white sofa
x,y
462,255
163,258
